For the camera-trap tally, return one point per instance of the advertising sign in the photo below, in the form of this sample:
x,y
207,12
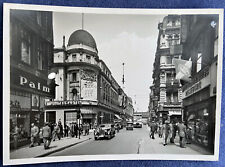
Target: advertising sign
x,y
88,85
89,90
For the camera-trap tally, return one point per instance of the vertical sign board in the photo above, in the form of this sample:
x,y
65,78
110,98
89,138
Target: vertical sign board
x,y
88,85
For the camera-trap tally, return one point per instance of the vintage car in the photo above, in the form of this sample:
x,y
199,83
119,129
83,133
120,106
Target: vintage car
x,y
129,126
137,125
104,131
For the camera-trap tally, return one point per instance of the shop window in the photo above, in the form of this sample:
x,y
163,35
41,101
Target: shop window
x,y
25,47
199,62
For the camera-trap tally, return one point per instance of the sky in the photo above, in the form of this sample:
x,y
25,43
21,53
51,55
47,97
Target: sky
x,y
129,39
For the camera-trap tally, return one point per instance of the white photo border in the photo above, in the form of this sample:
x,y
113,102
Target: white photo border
x,y
6,85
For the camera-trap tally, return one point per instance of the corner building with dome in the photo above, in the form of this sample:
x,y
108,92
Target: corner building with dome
x,y
85,85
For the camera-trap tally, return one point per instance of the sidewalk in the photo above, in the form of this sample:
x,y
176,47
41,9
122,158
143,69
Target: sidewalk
x,y
55,146
156,146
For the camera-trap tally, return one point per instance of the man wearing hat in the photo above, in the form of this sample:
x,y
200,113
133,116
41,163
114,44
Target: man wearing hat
x,y
153,129
34,135
182,130
46,133
166,132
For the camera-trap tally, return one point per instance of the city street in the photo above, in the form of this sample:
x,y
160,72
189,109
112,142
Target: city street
x,y
130,142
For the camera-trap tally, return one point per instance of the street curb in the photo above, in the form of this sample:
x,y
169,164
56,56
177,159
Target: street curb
x,y
62,148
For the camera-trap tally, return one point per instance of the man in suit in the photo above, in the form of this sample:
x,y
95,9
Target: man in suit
x,y
46,133
182,130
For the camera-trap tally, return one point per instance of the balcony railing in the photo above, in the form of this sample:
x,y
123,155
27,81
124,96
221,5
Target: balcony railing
x,y
166,66
172,103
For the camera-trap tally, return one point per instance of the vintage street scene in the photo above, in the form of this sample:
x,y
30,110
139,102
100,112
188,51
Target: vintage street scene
x,y
95,84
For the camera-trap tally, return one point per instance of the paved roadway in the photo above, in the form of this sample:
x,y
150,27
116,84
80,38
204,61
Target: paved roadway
x,y
129,142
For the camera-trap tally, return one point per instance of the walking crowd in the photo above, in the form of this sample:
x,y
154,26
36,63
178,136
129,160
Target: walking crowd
x,y
53,131
169,131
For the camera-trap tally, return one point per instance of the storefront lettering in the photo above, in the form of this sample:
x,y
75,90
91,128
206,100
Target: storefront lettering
x,y
25,82
193,89
61,103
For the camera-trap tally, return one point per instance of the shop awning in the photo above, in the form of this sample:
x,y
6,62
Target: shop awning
x,y
117,116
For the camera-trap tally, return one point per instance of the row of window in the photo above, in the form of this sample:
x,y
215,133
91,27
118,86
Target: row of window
x,y
28,47
173,23
109,95
172,97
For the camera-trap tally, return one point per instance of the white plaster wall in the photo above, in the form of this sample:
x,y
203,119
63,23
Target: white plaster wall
x,y
60,115
60,81
58,57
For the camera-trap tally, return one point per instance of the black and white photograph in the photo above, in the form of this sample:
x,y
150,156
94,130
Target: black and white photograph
x,y
106,84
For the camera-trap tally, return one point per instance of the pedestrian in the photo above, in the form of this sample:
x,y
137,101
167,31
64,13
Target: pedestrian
x,y
182,133
60,129
153,127
46,133
56,132
15,136
66,130
160,130
75,129
88,128
85,129
166,132
72,129
34,135
189,135
173,131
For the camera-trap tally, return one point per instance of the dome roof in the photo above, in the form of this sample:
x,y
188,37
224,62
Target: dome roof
x,y
82,37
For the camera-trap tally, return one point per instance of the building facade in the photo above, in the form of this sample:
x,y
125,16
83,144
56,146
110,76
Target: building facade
x,y
31,49
199,96
86,91
166,93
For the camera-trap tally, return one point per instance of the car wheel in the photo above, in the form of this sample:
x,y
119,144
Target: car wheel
x,y
96,138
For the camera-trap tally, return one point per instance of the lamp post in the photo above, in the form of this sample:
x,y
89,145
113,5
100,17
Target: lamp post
x,y
79,116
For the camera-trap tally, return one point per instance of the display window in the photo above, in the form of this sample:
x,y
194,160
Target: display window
x,y
198,122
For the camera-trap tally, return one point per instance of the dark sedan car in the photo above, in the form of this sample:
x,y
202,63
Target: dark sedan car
x,y
129,126
104,131
137,125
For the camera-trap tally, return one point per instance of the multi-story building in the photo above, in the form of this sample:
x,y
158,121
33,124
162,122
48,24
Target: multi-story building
x,y
31,49
199,95
86,87
166,93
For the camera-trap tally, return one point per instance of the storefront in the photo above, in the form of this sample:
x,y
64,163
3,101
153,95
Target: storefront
x,y
199,109
71,111
27,95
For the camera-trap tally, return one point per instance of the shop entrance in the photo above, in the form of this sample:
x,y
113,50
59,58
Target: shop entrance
x,y
70,117
51,116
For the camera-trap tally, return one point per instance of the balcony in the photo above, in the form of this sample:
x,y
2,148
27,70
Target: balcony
x,y
176,49
166,66
172,104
